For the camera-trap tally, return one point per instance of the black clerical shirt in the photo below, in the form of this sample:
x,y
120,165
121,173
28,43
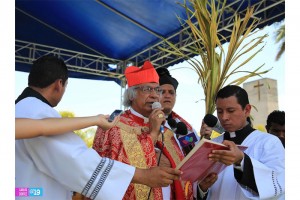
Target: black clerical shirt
x,y
245,177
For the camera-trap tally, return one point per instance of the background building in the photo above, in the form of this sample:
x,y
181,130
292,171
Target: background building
x,y
263,96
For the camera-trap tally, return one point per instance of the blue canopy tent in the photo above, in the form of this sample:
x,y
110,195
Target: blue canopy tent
x,y
98,39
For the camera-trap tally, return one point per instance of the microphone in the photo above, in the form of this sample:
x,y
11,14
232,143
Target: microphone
x,y
181,129
173,124
213,122
186,140
178,128
156,105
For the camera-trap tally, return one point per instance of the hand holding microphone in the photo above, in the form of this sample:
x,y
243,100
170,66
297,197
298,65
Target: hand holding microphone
x,y
156,119
205,131
209,123
157,105
213,122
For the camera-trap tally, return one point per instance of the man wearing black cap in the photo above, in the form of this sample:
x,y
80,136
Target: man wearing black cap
x,y
169,85
178,127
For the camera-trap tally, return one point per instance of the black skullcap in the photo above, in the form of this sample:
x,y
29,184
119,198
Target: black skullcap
x,y
166,78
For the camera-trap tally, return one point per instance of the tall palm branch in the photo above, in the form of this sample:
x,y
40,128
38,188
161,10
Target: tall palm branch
x,y
280,36
216,67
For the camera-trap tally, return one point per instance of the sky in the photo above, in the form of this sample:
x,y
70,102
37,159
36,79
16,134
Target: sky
x,y
12,84
91,97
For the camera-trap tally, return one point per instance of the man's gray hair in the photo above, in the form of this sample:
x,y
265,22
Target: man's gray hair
x,y
129,95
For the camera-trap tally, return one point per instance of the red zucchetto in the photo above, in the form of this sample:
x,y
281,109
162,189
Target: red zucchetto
x,y
138,75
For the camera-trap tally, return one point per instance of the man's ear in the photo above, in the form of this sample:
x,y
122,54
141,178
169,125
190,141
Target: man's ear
x,y
267,128
58,84
247,109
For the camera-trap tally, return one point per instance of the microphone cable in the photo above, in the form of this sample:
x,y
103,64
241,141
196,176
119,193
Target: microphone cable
x,y
159,157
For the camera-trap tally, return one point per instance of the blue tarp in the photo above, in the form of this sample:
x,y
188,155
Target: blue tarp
x,y
110,28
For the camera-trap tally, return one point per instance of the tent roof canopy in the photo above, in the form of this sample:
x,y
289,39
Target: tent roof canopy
x,y
98,39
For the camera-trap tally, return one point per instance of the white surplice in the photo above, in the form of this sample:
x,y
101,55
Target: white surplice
x,y
63,163
267,156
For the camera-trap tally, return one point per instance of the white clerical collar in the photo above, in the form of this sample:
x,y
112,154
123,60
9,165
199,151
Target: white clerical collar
x,y
232,134
146,120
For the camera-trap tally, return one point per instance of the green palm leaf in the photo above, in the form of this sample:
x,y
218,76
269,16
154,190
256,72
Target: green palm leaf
x,y
216,65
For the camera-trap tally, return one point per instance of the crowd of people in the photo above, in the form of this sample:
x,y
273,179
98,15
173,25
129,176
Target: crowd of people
x,y
135,155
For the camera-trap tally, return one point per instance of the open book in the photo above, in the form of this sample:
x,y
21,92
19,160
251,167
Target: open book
x,y
196,166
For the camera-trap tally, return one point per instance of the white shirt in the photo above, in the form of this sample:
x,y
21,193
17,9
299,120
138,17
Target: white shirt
x,y
267,157
63,163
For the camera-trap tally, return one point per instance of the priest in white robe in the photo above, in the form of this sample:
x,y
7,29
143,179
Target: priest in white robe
x,y
256,173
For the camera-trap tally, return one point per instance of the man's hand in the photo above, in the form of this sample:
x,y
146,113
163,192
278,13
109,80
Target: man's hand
x,y
232,156
103,123
156,118
205,131
208,182
156,176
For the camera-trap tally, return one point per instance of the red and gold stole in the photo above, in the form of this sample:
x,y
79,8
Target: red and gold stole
x,y
129,142
180,189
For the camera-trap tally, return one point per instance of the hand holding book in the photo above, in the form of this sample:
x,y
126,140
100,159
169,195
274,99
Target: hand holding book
x,y
234,154
197,165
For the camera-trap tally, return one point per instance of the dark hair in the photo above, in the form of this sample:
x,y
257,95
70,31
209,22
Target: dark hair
x,y
277,117
234,90
249,121
46,70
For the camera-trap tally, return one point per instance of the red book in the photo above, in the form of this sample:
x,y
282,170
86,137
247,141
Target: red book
x,y
196,166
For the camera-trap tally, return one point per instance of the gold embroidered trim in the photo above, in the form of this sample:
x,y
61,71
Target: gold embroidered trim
x,y
135,154
170,147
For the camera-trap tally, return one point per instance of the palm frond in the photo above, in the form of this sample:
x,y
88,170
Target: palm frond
x,y
280,37
218,65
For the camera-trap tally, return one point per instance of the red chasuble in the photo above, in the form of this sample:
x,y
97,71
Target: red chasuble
x,y
130,142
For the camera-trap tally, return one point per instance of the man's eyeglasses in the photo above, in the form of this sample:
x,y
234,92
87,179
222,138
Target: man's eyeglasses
x,y
148,89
